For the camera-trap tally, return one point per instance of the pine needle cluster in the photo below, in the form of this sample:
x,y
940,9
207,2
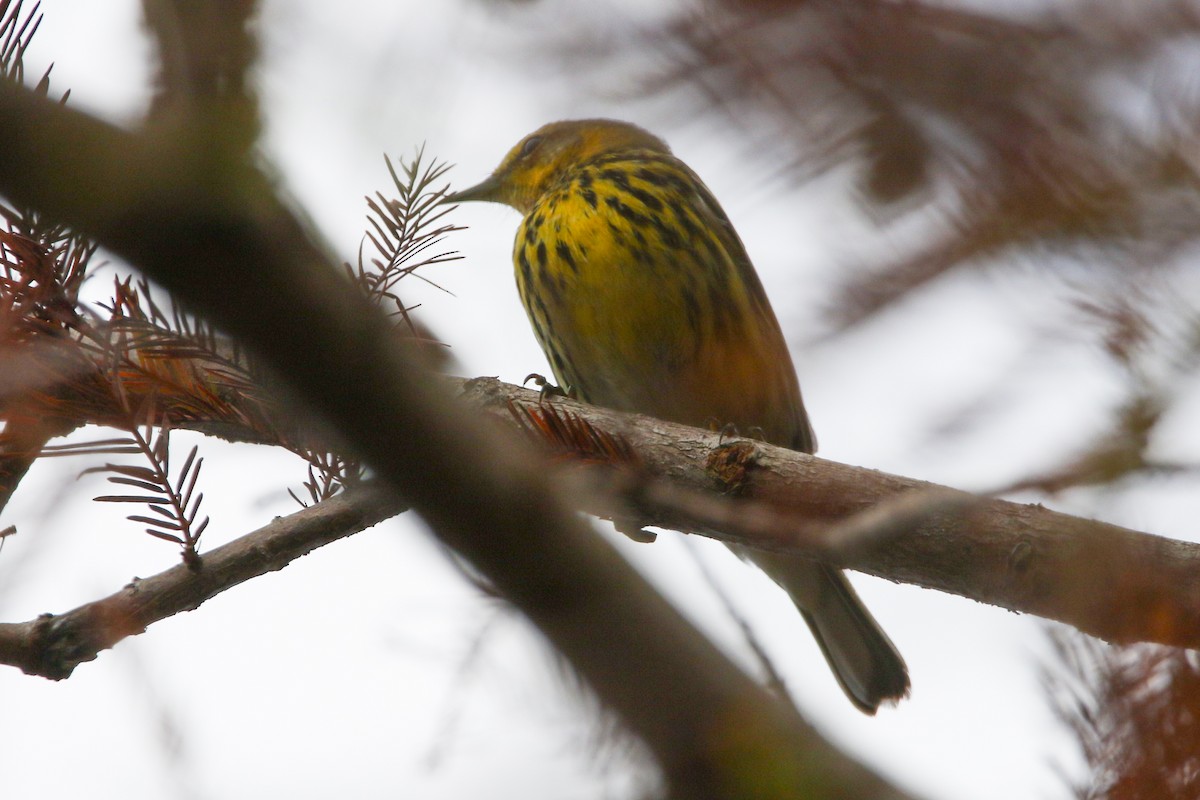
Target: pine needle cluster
x,y
142,366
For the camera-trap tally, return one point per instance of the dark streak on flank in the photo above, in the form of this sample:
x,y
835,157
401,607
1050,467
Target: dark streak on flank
x,y
540,310
564,370
648,199
560,366
641,255
684,219
715,251
719,301
682,185
617,234
623,209
668,234
541,255
551,283
526,268
692,306
524,292
650,176
563,250
617,177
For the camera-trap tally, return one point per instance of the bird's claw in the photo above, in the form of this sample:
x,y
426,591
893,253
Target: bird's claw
x,y
546,389
730,431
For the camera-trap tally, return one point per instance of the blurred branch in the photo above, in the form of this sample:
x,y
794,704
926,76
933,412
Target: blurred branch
x,y
204,54
1133,711
191,218
1047,128
54,644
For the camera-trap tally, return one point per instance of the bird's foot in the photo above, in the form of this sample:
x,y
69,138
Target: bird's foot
x,y
730,431
546,389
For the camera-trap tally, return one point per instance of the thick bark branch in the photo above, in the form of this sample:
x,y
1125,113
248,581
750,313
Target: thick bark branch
x,y
1108,581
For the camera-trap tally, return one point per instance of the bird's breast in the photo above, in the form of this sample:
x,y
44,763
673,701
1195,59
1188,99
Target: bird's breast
x,y
639,311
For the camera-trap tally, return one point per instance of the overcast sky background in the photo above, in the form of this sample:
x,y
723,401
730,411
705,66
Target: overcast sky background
x,y
369,669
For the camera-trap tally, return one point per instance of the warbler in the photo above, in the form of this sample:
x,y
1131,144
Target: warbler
x,y
643,299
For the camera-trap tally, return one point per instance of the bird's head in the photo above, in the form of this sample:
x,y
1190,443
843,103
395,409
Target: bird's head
x,y
539,160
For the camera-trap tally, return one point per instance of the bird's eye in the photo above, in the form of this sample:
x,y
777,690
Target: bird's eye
x,y
530,145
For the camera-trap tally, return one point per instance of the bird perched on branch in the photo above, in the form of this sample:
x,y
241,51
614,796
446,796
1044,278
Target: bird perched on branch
x,y
643,299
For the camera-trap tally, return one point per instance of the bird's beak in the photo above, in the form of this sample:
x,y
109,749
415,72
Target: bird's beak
x,y
486,190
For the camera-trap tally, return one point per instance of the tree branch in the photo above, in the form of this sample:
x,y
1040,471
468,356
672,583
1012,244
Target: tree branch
x,y
54,644
1111,582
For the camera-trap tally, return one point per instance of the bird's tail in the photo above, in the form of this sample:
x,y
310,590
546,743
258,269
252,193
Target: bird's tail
x,y
866,663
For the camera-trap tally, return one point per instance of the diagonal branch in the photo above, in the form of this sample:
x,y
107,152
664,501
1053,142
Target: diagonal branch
x,y
54,644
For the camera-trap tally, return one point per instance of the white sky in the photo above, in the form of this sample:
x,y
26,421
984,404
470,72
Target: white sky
x,y
349,673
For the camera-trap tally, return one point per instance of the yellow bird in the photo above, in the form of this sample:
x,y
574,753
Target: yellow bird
x,y
643,299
